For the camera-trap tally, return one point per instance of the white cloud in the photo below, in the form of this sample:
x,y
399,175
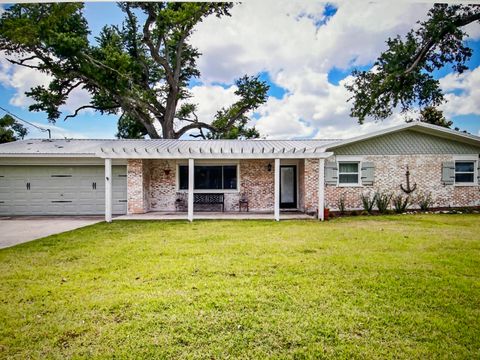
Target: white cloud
x,y
277,37
274,36
462,93
211,98
473,30
22,79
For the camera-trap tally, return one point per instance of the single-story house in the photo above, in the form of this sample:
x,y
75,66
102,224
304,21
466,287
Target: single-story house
x,y
113,177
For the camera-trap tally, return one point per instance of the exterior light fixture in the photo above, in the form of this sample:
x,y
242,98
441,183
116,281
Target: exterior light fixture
x,y
269,167
167,169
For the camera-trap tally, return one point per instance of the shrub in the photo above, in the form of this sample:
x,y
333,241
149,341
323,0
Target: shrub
x,y
424,201
341,204
401,203
383,201
367,202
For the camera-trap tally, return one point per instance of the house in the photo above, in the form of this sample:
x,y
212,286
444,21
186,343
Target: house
x,y
82,177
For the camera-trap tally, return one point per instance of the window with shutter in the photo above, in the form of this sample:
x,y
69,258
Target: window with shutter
x,y
348,173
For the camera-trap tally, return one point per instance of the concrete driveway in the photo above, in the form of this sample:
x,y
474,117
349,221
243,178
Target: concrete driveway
x,y
20,229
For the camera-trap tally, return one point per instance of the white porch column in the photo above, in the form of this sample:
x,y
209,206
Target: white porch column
x,y
191,168
277,190
108,190
321,188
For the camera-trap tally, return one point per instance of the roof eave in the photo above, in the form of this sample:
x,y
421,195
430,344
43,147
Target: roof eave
x,y
222,156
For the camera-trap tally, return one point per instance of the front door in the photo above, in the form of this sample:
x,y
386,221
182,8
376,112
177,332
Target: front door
x,y
288,186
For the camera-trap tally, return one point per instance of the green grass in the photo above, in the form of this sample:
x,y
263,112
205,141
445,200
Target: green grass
x,y
365,287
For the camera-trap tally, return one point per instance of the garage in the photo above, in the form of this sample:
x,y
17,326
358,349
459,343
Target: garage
x,y
60,190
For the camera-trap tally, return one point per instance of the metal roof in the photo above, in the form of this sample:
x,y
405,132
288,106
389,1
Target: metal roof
x,y
159,148
207,149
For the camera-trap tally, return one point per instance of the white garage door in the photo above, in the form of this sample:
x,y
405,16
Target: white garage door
x,y
60,190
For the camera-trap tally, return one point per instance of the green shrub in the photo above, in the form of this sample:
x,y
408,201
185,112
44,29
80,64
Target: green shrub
x,y
424,201
368,202
401,203
383,201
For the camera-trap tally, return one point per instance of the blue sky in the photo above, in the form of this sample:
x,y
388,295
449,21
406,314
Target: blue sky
x,y
305,51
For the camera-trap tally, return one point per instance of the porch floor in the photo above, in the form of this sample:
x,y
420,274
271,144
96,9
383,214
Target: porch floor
x,y
204,215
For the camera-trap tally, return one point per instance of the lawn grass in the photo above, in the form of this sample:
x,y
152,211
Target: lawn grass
x,y
363,287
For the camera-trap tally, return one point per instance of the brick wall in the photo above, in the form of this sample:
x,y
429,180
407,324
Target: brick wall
x,y
150,188
425,171
136,187
258,184
311,185
163,191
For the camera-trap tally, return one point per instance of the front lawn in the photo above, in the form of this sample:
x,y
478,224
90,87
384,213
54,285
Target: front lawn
x,y
367,287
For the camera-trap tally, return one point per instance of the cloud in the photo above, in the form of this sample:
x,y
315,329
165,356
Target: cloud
x,y
298,46
211,98
276,35
22,79
473,30
462,93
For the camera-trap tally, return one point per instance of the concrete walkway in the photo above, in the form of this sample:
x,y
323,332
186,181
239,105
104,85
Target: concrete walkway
x,y
160,215
20,229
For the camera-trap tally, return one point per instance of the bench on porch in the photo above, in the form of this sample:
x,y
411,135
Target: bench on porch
x,y
209,199
202,199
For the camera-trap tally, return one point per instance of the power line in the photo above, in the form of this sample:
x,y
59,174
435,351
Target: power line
x,y
27,122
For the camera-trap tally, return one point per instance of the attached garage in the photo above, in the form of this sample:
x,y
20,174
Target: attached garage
x,y
60,190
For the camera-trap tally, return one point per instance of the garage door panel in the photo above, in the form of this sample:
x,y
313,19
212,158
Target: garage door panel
x,y
59,190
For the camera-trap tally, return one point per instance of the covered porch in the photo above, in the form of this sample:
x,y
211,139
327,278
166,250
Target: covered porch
x,y
194,182
216,215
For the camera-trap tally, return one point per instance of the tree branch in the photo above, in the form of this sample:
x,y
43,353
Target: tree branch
x,y
154,51
88,107
422,53
194,125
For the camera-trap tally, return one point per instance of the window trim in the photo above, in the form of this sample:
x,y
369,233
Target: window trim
x,y
359,172
209,163
466,158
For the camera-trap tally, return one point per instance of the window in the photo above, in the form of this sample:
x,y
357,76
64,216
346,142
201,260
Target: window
x,y
348,173
210,177
464,171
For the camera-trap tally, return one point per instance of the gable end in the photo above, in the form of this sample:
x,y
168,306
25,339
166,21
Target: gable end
x,y
406,142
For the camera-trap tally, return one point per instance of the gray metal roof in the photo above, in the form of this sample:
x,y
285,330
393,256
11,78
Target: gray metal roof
x,y
166,148
210,149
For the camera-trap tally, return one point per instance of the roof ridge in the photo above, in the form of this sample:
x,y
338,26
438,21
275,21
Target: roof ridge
x,y
184,140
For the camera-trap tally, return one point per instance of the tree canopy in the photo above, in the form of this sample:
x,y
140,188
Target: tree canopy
x,y
401,77
140,70
10,130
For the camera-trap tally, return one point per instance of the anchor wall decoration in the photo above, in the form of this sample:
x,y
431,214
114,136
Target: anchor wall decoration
x,y
408,189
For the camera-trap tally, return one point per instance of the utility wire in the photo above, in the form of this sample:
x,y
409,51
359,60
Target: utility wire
x,y
27,122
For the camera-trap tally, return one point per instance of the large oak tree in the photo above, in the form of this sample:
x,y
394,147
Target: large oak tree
x,y
140,70
402,75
